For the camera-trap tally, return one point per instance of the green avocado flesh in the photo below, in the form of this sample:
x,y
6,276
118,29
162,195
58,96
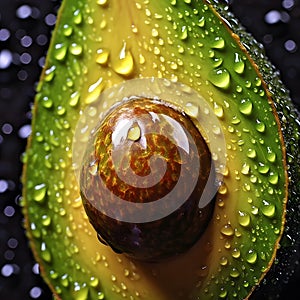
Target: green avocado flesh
x,y
100,43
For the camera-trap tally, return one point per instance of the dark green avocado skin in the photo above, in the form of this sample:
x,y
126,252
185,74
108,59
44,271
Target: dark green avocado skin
x,y
282,281
286,268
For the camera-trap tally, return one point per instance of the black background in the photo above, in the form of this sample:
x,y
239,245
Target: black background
x,y
24,38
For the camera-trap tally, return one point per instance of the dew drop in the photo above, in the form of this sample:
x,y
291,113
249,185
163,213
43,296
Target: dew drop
x,y
271,156
67,30
74,99
263,168
218,110
251,256
227,230
94,91
245,169
220,78
246,107
124,64
251,153
273,178
218,43
134,133
260,126
234,273
102,2
201,22
184,33
77,17
47,102
192,110
236,253
75,49
49,74
39,192
239,65
223,261
60,51
45,253
244,219
268,209
46,220
102,56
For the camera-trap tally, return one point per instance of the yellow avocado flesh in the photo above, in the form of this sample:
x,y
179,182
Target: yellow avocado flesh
x,y
97,44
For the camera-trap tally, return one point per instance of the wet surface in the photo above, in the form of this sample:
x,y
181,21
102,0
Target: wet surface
x,y
25,29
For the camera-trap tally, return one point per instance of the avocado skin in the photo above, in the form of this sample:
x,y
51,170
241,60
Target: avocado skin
x,y
288,255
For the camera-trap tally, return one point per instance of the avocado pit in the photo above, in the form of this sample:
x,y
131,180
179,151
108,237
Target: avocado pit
x,y
142,178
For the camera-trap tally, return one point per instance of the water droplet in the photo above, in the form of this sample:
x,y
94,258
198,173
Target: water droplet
x,y
218,43
234,273
74,99
124,65
60,51
251,153
102,2
223,261
236,253
251,256
47,102
39,192
75,49
245,169
273,178
94,91
271,156
46,220
218,110
102,56
49,74
263,168
260,126
134,133
244,219
81,292
67,30
246,107
201,22
64,280
239,65
94,281
192,110
227,230
45,253
223,293
268,209
220,78
184,33
77,17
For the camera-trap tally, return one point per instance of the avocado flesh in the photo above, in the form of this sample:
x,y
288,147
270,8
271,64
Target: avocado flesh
x,y
182,42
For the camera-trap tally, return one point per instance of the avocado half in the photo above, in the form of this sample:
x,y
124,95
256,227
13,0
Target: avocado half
x,y
197,46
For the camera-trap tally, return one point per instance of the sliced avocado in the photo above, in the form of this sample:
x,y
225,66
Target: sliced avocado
x,y
97,45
